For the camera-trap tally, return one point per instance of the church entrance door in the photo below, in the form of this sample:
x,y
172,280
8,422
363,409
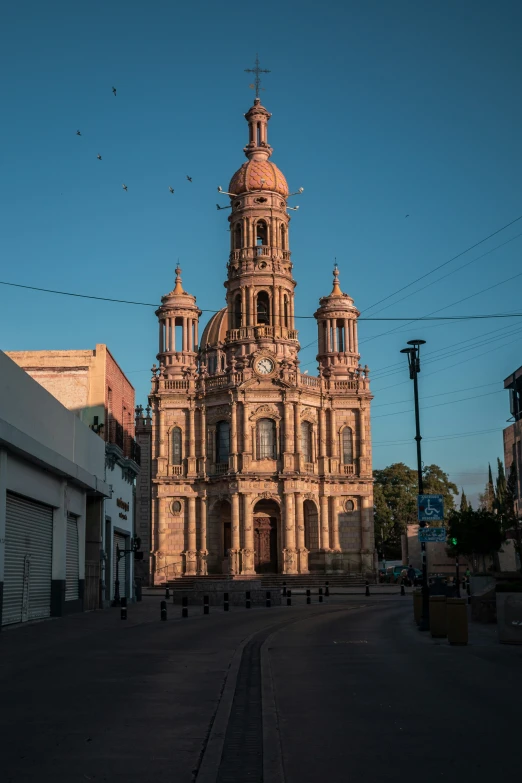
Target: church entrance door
x,y
265,545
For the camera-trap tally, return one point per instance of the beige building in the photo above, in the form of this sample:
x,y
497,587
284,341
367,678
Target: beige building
x,y
91,384
257,467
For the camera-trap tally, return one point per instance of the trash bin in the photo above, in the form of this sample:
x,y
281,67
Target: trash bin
x,y
457,620
137,588
438,621
417,606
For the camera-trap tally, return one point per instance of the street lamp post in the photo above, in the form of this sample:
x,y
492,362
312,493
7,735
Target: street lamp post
x,y
413,354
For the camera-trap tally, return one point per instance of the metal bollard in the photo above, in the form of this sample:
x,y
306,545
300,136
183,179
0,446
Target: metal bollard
x,y
225,602
468,590
308,597
402,590
327,590
163,606
367,592
167,593
123,604
268,599
247,599
289,598
206,608
284,589
320,595
184,606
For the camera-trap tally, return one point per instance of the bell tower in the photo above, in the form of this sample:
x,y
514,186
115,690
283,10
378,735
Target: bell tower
x,y
338,350
178,317
260,286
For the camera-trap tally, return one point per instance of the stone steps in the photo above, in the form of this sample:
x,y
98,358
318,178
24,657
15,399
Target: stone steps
x,y
276,580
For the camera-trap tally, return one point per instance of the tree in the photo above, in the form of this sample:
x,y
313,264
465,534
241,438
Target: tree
x,y
509,519
500,490
487,498
472,533
395,498
464,505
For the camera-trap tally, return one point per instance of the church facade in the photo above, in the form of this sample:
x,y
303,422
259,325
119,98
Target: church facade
x,y
257,467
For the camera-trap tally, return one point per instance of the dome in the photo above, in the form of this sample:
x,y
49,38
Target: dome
x,y
216,329
251,174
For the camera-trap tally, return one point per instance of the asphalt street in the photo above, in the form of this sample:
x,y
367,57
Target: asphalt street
x,y
363,695
349,690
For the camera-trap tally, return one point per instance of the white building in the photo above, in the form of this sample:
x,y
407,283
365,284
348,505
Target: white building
x,y
52,490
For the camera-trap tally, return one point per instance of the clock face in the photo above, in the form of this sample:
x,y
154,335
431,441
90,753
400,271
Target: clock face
x,y
264,366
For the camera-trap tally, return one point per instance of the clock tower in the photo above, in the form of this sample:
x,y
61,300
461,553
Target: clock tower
x,y
257,467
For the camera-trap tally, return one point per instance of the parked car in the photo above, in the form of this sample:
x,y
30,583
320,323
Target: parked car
x,y
393,574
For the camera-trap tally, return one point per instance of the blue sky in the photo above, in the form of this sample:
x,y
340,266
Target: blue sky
x,y
380,110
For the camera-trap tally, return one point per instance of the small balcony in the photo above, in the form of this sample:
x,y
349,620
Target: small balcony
x,y
220,468
348,470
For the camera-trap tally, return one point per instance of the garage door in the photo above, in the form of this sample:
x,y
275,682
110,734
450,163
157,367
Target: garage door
x,y
28,560
121,542
72,566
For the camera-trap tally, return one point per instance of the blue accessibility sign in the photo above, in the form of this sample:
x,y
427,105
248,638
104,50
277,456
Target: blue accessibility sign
x,y
431,508
431,534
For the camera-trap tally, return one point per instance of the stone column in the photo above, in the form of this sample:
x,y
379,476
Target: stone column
x,y
184,335
160,340
203,441
282,321
276,321
292,312
191,553
346,340
302,552
336,543
322,432
367,539
352,341
203,551
233,554
196,334
252,314
297,434
191,461
325,526
247,558
233,427
333,434
289,551
335,345
247,445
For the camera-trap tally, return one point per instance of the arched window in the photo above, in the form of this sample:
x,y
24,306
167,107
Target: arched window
x,y
266,439
286,312
263,308
283,237
347,446
222,441
237,311
238,236
261,233
306,441
176,446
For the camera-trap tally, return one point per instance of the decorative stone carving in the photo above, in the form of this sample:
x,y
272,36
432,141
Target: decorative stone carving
x,y
264,411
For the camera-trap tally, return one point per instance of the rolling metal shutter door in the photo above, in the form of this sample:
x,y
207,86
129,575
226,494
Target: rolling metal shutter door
x,y
28,560
120,541
72,566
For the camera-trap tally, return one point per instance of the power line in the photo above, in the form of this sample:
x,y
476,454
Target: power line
x,y
430,396
448,274
438,404
440,266
410,318
434,438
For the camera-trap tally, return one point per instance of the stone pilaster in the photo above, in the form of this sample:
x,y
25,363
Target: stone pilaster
x,y
302,551
191,552
247,553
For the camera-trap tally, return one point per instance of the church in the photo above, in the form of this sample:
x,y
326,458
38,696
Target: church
x,y
257,468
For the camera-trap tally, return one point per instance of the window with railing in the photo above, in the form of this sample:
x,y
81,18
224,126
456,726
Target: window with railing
x,y
347,446
222,441
306,441
266,439
176,451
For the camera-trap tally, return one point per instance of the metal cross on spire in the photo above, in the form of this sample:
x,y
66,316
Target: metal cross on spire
x,y
257,81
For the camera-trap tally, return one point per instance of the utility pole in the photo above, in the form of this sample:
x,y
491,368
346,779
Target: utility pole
x,y
413,354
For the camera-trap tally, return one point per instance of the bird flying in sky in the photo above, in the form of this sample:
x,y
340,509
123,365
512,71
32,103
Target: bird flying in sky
x,y
78,133
99,157
124,186
189,178
406,215
171,189
114,91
